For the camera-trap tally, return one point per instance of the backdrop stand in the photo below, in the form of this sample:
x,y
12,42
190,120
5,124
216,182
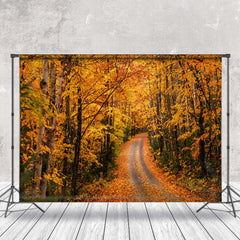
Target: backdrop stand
x,y
13,188
228,188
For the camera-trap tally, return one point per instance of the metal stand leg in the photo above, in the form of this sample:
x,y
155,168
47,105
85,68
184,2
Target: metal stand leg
x,y
9,203
38,207
32,203
10,199
202,207
229,199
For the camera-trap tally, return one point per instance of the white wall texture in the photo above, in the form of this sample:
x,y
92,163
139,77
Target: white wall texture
x,y
119,26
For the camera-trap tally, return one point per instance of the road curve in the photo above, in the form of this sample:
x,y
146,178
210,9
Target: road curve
x,y
147,186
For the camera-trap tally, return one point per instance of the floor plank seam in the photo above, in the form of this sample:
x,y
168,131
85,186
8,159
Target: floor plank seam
x,y
1,190
199,221
37,221
149,221
82,220
128,222
224,223
235,189
58,221
175,220
105,221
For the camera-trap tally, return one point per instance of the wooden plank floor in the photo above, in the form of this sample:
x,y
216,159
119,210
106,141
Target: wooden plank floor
x,y
110,221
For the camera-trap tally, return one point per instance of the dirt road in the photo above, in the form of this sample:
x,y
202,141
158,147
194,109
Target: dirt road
x,y
139,179
147,186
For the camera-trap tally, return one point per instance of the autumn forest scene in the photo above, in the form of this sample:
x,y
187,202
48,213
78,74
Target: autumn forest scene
x,y
120,128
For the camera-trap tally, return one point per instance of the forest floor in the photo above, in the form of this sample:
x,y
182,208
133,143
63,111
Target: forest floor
x,y
139,179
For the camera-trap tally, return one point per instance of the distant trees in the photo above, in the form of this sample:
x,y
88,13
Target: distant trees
x,y
185,108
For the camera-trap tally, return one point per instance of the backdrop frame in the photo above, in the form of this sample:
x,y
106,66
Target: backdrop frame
x,y
12,188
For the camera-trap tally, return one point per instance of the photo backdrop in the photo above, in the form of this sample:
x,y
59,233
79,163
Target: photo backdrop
x,y
120,128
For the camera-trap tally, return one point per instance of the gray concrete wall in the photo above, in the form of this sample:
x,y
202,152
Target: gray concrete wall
x,y
119,26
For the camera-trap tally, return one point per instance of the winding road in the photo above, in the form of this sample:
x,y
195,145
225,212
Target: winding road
x,y
147,186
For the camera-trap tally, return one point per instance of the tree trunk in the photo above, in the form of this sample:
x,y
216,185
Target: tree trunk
x,y
41,130
67,141
202,144
77,146
164,147
109,106
150,99
52,123
169,115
